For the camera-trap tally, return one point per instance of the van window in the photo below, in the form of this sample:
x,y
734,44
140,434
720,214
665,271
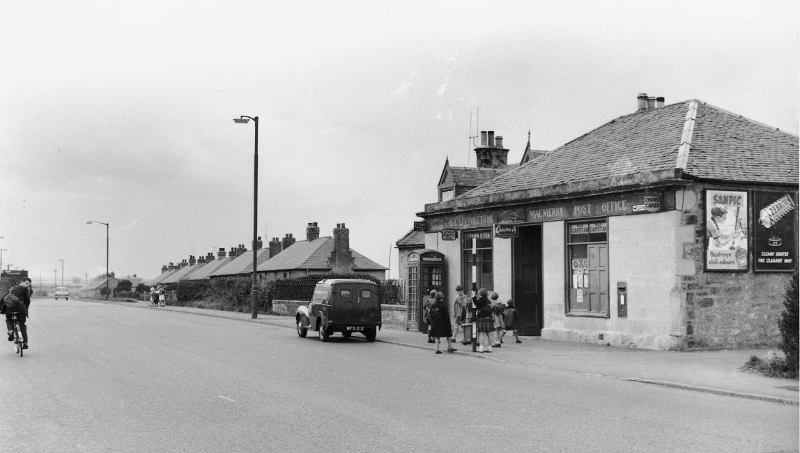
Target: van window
x,y
344,292
320,294
366,293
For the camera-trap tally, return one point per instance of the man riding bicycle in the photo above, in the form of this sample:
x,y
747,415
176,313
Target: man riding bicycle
x,y
17,300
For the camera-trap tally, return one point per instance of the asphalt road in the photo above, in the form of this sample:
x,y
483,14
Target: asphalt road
x,y
110,377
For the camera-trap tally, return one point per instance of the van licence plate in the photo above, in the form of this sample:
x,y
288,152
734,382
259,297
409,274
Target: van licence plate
x,y
354,328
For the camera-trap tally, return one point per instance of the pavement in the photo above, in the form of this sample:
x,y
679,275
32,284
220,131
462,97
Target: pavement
x,y
717,372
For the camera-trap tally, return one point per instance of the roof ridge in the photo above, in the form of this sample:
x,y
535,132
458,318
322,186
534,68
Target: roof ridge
x,y
686,137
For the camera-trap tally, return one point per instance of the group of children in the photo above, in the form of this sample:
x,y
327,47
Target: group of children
x,y
492,317
157,297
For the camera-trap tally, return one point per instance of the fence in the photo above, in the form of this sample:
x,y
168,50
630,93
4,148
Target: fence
x,y
389,291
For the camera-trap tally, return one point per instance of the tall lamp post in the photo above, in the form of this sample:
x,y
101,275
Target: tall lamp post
x,y
1,258
62,271
254,303
103,223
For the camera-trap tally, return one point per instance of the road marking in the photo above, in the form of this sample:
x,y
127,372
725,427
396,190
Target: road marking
x,y
226,398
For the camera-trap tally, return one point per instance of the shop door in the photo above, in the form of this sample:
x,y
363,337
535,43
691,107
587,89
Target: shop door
x,y
528,280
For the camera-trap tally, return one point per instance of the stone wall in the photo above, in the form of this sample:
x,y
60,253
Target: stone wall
x,y
392,315
727,310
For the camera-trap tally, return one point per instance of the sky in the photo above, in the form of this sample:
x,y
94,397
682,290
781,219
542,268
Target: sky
x,y
121,112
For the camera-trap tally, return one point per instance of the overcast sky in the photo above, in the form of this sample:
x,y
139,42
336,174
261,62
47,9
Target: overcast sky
x,y
121,111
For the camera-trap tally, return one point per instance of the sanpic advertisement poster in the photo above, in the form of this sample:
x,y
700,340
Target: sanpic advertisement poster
x,y
775,229
726,230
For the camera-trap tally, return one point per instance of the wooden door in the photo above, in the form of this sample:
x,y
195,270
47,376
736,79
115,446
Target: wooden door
x,y
527,249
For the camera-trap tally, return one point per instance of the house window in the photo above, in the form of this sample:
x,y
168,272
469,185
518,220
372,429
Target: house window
x,y
476,249
446,195
587,268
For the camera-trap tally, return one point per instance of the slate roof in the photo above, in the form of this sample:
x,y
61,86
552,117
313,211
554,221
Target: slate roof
x,y
473,176
242,264
163,275
690,138
313,255
179,274
205,271
413,238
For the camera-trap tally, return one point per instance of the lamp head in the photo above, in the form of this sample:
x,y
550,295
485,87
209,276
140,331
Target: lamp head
x,y
241,120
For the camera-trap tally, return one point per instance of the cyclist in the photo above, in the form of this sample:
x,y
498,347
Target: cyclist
x,y
17,300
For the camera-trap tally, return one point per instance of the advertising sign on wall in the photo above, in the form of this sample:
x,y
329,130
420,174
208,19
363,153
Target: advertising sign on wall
x,y
726,230
775,229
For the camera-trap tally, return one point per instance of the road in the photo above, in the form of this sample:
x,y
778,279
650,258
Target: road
x,y
110,377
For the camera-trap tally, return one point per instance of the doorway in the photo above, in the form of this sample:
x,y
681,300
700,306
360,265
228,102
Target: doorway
x,y
528,279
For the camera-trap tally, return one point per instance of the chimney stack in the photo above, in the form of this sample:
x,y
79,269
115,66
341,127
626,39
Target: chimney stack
x,y
171,266
341,259
164,268
259,244
182,264
201,260
288,241
210,257
312,232
192,260
274,247
491,154
221,254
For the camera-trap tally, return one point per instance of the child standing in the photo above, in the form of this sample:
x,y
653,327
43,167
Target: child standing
x,y
498,308
510,319
459,307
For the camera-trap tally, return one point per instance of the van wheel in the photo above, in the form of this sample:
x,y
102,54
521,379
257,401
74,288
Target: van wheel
x,y
370,334
301,331
346,334
324,334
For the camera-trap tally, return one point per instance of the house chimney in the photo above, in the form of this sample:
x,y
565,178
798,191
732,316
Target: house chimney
x,y
201,260
192,261
210,257
259,244
164,268
171,266
659,102
274,247
492,154
490,142
288,241
651,102
312,232
232,252
341,258
641,99
183,264
221,254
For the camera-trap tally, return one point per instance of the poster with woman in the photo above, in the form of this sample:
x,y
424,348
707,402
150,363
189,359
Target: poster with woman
x,y
726,230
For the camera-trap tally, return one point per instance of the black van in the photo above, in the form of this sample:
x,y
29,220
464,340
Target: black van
x,y
341,305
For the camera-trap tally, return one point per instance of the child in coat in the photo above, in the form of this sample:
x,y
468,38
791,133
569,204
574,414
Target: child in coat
x,y
510,320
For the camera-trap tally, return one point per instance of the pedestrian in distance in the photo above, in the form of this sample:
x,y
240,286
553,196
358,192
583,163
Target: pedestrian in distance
x,y
153,297
510,321
485,324
440,323
426,308
498,307
459,310
162,297
17,300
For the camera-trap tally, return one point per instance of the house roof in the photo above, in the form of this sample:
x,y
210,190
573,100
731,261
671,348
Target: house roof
x,y
242,264
101,283
474,177
211,266
163,275
687,140
313,255
413,238
179,274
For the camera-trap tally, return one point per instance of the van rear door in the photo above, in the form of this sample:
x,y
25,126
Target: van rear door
x,y
356,304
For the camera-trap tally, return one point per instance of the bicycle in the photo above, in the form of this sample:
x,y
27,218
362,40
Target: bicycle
x,y
17,335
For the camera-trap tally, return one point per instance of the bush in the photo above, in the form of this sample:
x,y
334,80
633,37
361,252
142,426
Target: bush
x,y
789,324
125,294
188,290
142,288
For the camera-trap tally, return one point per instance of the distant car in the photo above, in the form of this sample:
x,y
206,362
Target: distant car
x,y
341,305
62,292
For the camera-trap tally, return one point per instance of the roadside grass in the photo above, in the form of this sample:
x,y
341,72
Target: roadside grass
x,y
773,365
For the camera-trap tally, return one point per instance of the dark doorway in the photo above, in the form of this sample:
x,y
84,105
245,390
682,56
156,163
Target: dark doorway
x,y
528,279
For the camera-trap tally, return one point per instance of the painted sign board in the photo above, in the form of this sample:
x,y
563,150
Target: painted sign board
x,y
449,235
775,249
421,226
616,205
726,230
506,231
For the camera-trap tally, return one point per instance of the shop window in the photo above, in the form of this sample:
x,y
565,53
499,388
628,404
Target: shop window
x,y
587,249
478,268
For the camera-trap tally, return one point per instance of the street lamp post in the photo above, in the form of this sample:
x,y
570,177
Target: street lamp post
x,y
62,271
107,275
254,303
1,258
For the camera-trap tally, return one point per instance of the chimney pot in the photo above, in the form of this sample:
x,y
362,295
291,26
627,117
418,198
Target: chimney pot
x,y
641,99
651,102
491,139
498,141
659,102
483,138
